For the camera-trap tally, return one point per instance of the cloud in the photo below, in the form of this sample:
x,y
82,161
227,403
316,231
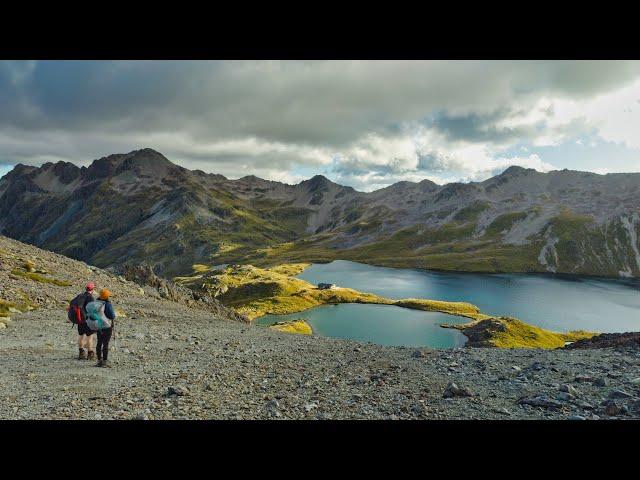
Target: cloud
x,y
376,161
356,119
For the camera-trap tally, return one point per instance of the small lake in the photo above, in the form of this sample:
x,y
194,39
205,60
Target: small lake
x,y
554,302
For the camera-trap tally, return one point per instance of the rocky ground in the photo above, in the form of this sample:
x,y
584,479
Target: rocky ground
x,y
173,362
182,360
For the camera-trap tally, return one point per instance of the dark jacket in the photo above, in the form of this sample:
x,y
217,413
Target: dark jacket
x,y
88,298
108,310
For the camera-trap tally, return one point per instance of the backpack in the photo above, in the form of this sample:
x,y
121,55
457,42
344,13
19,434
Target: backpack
x,y
96,319
75,312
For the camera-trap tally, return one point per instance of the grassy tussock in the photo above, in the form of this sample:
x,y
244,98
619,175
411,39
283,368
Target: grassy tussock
x,y
6,308
507,332
200,268
454,308
36,277
290,269
300,327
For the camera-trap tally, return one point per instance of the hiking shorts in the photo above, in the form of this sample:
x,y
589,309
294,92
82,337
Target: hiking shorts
x,y
83,329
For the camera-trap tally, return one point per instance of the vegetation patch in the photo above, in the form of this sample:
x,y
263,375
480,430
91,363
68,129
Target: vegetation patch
x,y
571,230
508,332
300,326
568,224
505,222
471,212
6,308
37,277
290,269
200,268
254,292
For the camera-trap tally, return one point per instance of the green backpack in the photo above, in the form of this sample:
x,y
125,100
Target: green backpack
x,y
96,319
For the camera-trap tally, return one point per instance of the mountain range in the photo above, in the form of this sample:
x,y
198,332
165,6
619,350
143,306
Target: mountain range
x,y
139,206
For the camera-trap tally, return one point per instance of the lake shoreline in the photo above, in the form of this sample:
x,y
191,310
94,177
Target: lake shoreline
x,y
556,302
543,274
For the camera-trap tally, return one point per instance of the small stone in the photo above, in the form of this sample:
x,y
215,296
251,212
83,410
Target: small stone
x,y
619,394
541,401
453,390
310,406
180,391
600,382
516,368
565,397
577,417
502,411
612,408
635,381
568,389
582,378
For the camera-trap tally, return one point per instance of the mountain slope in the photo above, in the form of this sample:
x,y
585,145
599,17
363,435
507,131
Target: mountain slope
x,y
141,207
33,279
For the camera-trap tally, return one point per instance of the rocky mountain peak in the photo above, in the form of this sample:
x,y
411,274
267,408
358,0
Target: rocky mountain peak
x,y
143,162
20,170
516,170
317,181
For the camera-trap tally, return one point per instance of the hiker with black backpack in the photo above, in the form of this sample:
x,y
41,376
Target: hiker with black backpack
x,y
100,318
77,315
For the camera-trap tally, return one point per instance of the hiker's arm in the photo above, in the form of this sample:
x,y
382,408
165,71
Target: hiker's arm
x,y
109,311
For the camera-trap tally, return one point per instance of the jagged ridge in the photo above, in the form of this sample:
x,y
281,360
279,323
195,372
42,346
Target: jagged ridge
x,y
140,206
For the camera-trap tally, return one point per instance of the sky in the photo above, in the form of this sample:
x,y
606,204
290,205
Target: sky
x,y
366,124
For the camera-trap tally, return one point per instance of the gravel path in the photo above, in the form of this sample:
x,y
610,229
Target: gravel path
x,y
173,362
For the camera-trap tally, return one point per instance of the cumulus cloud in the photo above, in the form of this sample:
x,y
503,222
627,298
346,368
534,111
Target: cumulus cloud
x,y
366,123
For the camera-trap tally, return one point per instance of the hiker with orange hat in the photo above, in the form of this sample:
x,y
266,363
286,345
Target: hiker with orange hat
x,y
100,318
77,312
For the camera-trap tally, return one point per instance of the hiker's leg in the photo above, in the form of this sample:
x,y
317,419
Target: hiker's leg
x,y
91,353
107,337
81,340
99,347
90,343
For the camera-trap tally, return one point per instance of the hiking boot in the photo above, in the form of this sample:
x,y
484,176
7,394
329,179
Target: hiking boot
x,y
82,354
99,364
105,363
91,355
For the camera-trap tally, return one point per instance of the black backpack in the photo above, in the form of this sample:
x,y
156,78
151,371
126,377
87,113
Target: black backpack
x,y
76,313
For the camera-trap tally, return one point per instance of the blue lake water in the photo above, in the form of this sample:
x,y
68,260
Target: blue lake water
x,y
555,302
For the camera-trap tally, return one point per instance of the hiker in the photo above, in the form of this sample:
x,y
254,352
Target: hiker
x,y
100,318
77,315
